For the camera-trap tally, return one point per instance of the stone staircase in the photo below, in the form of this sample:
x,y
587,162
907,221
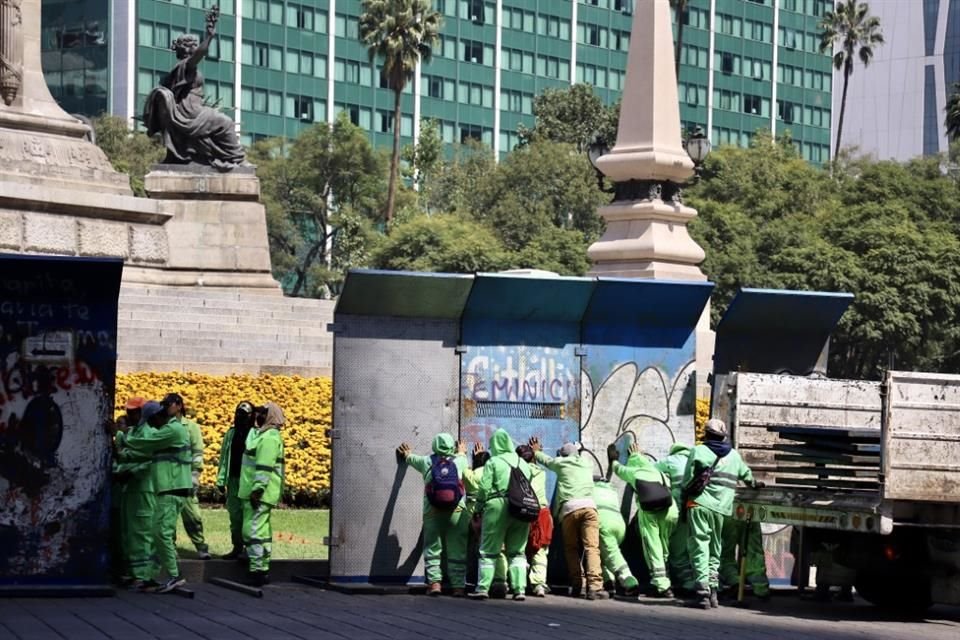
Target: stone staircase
x,y
222,331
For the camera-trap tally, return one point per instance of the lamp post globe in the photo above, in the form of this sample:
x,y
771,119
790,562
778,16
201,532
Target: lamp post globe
x,y
698,146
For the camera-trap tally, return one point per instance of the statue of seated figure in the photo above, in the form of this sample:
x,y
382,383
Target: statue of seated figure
x,y
192,132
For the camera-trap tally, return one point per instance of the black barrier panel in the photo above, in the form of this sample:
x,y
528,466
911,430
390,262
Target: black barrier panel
x,y
58,350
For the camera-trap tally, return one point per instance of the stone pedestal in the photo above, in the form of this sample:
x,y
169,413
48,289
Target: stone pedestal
x,y
646,234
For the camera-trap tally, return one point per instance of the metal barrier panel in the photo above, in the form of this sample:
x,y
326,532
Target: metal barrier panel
x,y
58,337
520,368
638,371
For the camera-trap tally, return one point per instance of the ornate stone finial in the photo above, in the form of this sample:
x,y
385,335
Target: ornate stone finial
x,y
11,50
649,145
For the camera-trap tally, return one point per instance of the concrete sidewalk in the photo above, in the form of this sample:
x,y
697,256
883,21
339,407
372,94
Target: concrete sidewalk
x,y
293,611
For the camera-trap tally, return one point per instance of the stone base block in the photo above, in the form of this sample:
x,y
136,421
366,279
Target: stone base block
x,y
196,182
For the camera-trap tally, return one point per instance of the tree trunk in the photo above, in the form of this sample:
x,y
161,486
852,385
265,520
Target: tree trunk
x,y
395,161
843,107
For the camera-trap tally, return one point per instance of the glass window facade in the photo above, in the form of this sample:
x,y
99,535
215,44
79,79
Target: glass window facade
x,y
75,52
280,65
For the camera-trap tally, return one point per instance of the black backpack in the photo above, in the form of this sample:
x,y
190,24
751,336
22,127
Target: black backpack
x,y
652,496
522,502
698,483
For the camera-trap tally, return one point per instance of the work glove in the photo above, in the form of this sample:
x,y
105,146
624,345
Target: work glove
x,y
403,452
535,444
478,448
612,452
255,499
635,448
759,485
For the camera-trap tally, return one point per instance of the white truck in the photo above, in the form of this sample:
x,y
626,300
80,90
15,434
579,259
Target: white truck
x,y
867,472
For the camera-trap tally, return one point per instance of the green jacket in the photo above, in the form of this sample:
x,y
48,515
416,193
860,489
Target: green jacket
x,y
263,466
496,473
132,468
574,477
719,493
608,506
223,470
196,444
170,447
538,481
443,445
674,466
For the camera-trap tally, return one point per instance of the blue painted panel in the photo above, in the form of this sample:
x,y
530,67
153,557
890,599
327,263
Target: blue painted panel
x,y
58,337
528,299
647,303
404,294
773,331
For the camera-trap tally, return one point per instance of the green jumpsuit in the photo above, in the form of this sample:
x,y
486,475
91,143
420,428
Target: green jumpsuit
x,y
756,563
262,474
443,529
681,573
192,522
538,563
499,527
170,447
612,531
706,512
655,526
139,501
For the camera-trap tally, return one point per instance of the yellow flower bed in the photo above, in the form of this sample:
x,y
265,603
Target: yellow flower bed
x,y
211,401
701,416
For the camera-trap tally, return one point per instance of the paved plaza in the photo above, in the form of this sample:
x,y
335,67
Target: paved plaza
x,y
292,611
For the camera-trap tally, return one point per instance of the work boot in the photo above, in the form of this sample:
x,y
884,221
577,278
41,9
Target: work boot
x,y
435,589
630,586
498,590
597,595
519,596
714,598
539,591
233,555
478,595
459,592
701,597
258,578
203,555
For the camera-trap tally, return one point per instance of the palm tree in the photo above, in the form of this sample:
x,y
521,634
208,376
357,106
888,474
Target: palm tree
x,y
679,8
953,113
401,33
852,32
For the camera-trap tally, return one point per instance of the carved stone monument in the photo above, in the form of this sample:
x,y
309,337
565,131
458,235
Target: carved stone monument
x,y
60,195
646,235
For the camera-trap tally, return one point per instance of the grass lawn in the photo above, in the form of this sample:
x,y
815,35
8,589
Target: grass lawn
x,y
297,534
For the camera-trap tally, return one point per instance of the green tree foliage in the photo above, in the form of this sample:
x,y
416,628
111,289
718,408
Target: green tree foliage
x,y
573,115
952,110
400,33
445,243
130,152
326,172
886,232
423,158
849,32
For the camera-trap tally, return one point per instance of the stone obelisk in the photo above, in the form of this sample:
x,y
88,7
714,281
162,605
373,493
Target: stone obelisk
x,y
646,235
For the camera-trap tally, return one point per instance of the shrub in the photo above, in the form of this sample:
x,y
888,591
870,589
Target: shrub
x,y
211,401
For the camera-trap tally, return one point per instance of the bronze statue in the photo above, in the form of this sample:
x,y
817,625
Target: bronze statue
x,y
192,131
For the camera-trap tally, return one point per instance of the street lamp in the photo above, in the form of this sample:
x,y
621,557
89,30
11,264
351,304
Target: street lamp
x,y
597,149
697,147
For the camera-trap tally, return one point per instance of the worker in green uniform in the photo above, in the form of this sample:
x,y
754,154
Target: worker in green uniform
x,y
656,513
577,513
681,573
165,438
613,529
192,521
732,541
537,576
261,487
445,520
721,466
122,476
499,527
228,473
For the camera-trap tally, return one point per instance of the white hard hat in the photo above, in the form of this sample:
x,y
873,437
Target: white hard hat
x,y
716,427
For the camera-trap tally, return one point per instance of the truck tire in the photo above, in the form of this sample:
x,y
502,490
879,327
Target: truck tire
x,y
905,594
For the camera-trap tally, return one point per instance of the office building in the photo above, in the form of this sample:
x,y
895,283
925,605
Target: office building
x,y
895,106
278,66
